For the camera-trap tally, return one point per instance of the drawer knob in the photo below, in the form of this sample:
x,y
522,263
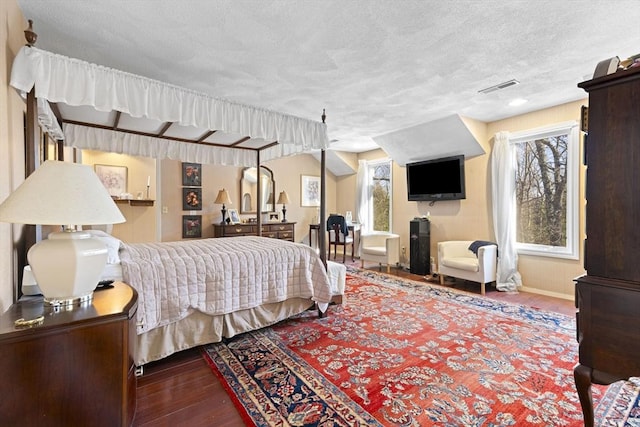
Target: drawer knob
x,y
238,230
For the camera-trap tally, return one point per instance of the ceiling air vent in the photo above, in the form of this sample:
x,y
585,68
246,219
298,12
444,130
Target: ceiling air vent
x,y
499,86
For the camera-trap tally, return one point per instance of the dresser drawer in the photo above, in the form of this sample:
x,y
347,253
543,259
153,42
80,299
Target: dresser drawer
x,y
285,235
239,230
277,230
280,227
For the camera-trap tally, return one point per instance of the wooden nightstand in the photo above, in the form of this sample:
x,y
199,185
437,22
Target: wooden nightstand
x,y
75,368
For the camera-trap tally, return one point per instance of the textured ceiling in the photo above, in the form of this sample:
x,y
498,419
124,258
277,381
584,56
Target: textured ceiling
x,y
377,66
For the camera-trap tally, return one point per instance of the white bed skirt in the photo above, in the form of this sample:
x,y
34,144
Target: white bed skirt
x,y
199,328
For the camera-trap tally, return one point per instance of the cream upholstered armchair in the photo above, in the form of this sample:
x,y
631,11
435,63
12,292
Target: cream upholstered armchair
x,y
455,259
383,248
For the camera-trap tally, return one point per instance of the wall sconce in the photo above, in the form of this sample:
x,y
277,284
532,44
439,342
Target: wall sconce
x,y
283,199
68,265
223,198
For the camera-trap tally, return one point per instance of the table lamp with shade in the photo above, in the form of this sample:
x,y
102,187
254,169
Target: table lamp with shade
x,y
283,199
223,198
68,265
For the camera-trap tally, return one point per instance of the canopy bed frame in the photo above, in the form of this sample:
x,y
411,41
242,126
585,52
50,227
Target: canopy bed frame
x,y
87,106
249,135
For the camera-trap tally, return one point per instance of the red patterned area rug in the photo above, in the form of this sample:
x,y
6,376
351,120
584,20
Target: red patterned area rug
x,y
405,353
620,405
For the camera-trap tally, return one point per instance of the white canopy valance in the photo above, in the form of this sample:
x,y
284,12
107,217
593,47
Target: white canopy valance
x,y
60,79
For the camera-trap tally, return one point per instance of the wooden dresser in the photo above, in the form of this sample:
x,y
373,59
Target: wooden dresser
x,y
75,368
608,296
275,230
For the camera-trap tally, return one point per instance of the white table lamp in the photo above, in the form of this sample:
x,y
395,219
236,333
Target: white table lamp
x,y
68,265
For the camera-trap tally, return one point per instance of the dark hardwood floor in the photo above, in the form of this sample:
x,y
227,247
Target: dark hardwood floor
x,y
181,390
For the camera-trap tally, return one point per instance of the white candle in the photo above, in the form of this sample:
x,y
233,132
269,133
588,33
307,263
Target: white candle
x,y
148,180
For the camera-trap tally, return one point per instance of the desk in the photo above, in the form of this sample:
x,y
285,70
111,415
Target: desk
x,y
354,229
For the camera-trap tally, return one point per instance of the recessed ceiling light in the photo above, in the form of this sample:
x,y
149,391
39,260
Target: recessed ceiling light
x,y
517,101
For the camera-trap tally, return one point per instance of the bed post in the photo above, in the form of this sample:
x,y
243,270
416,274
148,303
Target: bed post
x,y
322,232
32,234
322,220
259,194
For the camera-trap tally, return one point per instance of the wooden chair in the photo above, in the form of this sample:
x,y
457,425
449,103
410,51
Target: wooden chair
x,y
335,226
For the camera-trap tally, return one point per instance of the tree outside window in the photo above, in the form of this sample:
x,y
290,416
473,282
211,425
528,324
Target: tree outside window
x,y
380,206
546,193
541,191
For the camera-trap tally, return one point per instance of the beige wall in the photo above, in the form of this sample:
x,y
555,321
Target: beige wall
x,y
163,221
450,220
468,219
141,220
286,174
551,276
471,219
214,178
12,108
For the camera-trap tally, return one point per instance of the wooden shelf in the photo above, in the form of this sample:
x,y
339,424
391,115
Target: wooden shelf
x,y
135,202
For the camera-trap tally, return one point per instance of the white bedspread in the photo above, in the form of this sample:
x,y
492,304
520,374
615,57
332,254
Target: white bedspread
x,y
219,276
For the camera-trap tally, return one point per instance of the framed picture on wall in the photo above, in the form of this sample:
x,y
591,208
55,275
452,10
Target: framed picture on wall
x,y
310,190
114,178
191,226
192,199
191,174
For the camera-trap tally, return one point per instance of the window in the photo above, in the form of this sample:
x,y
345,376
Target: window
x,y
546,191
379,210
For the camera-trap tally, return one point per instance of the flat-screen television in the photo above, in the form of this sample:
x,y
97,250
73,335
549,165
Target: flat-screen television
x,y
437,179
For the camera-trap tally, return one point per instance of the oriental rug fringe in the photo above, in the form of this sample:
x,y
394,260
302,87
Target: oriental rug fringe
x,y
406,353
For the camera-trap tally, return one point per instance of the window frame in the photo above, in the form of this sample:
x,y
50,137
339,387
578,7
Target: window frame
x,y
571,250
372,164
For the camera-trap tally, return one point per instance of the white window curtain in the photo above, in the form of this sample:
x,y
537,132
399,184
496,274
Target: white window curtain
x,y
503,195
362,196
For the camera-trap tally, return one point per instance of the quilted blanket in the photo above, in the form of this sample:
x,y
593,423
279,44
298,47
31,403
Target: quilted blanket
x,y
219,276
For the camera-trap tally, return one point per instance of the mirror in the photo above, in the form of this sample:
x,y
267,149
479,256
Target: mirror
x,y
248,188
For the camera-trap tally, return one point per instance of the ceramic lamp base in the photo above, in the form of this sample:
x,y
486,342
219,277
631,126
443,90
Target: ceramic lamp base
x,y
67,266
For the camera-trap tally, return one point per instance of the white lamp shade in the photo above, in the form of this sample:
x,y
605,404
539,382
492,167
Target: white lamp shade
x,y
68,265
61,193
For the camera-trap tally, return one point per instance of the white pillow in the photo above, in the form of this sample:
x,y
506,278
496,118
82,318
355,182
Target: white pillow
x,y
113,245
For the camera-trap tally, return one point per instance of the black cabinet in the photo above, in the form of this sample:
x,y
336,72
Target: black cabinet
x,y
420,246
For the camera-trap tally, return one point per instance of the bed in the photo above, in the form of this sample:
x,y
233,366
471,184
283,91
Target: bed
x,y
201,291
247,136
